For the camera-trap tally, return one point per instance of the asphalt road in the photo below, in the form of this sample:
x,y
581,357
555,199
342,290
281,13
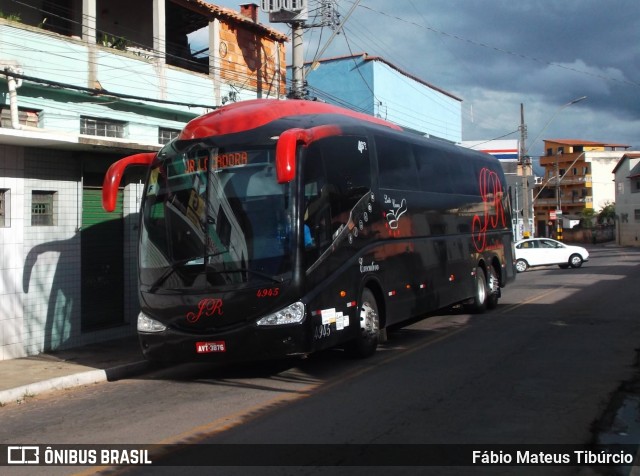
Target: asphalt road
x,y
539,369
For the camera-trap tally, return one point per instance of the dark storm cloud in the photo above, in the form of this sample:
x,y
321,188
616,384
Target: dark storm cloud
x,y
496,54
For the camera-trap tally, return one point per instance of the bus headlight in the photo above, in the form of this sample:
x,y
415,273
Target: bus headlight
x,y
292,314
146,324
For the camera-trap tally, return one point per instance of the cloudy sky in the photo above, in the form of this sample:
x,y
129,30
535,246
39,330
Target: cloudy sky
x,y
497,54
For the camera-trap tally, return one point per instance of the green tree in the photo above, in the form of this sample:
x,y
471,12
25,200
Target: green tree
x,y
587,215
608,214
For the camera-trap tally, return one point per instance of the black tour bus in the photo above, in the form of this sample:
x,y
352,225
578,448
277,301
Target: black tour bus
x,y
277,228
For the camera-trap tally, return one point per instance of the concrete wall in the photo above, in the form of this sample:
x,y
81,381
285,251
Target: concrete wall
x,y
374,87
627,202
409,103
345,81
603,186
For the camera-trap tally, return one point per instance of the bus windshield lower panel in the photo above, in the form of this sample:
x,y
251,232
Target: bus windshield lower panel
x,y
214,217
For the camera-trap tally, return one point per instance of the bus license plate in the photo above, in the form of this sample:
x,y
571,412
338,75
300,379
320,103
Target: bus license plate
x,y
210,347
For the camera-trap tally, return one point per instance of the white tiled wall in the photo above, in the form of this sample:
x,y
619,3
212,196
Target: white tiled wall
x,y
131,208
11,254
40,266
51,283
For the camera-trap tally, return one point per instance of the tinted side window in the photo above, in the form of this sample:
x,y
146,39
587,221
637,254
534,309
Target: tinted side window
x,y
396,165
347,165
337,174
433,169
465,173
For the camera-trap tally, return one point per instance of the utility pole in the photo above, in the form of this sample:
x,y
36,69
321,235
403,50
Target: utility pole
x,y
297,61
293,12
525,164
528,159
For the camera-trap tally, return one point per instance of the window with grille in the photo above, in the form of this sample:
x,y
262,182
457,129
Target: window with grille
x,y
4,207
167,135
42,208
92,126
636,214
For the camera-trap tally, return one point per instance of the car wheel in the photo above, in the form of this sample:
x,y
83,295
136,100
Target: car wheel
x,y
367,341
521,266
575,261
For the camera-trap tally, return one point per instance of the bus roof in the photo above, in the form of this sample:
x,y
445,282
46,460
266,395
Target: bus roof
x,y
247,115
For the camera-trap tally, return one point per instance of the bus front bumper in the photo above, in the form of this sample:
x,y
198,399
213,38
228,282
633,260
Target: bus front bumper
x,y
248,343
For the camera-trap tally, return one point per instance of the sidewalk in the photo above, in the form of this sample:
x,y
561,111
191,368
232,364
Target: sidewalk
x,y
100,362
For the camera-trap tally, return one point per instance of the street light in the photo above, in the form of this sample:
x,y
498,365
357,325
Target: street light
x,y
560,109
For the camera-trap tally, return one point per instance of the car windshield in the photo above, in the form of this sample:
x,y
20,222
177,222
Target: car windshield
x,y
214,212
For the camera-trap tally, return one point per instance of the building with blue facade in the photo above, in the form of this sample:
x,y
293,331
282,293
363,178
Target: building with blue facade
x,y
373,85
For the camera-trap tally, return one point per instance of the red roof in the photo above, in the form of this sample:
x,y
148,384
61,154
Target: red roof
x,y
630,155
201,6
576,142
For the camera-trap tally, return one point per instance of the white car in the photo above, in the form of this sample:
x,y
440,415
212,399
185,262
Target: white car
x,y
545,251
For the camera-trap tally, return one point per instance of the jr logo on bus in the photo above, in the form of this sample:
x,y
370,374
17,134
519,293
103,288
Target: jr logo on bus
x,y
206,307
493,214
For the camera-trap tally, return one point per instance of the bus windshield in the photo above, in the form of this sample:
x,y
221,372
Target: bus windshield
x,y
216,214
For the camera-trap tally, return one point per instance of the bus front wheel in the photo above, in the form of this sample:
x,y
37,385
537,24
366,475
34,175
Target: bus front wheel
x,y
367,341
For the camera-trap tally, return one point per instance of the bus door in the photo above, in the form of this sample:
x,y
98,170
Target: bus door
x,y
336,212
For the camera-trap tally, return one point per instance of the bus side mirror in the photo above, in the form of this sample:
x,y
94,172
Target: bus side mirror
x,y
288,143
286,154
114,175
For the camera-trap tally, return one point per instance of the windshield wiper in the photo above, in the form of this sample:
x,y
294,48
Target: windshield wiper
x,y
252,271
170,270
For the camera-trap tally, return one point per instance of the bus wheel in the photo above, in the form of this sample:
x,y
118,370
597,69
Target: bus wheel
x,y
479,302
493,287
367,341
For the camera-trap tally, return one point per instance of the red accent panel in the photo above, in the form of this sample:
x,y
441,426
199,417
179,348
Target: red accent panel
x,y
246,115
114,175
493,213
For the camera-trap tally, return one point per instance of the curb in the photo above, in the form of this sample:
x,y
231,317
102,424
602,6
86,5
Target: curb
x,y
74,380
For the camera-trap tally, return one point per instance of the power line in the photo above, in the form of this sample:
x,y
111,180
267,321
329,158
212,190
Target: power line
x,y
101,92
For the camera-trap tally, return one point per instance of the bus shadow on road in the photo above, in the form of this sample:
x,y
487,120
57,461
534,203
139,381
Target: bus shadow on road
x,y
316,368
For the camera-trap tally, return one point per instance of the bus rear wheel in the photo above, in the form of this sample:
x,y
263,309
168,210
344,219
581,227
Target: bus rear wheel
x,y
367,341
493,286
478,303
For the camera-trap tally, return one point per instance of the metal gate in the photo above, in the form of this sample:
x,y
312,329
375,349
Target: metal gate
x,y
102,262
